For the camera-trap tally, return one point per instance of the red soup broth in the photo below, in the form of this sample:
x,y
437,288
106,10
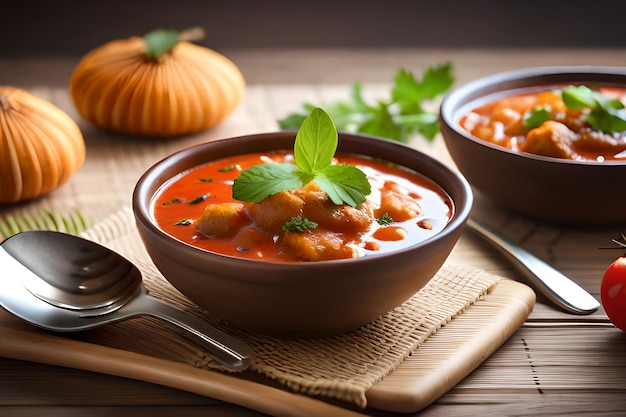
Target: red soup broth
x,y
566,135
182,200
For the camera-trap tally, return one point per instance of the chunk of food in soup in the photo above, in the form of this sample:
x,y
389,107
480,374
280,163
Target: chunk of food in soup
x,y
219,220
565,134
304,224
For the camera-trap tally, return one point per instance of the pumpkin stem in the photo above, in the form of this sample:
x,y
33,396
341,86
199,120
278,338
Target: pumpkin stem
x,y
191,35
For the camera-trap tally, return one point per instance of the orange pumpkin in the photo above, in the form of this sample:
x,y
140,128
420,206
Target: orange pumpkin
x,y
139,87
40,146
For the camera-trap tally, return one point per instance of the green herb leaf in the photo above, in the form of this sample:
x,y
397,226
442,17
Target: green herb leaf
x,y
172,201
316,142
160,41
410,92
536,117
578,97
314,148
384,220
198,199
613,103
344,183
399,118
607,120
381,123
606,113
298,224
183,222
260,181
227,168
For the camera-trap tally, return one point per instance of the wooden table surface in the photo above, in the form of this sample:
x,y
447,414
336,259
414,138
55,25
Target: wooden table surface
x,y
574,365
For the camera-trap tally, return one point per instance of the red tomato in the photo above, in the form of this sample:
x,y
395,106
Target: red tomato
x,y
613,292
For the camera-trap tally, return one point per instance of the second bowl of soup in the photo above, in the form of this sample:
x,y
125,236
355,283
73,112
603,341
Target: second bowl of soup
x,y
548,143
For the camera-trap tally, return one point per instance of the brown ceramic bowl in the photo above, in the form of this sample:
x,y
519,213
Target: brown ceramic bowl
x,y
298,299
581,193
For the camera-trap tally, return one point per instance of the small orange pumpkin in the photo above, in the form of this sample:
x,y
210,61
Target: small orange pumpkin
x,y
159,85
40,146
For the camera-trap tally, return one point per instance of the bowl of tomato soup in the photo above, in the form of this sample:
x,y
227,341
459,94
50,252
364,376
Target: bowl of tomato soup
x,y
548,143
296,263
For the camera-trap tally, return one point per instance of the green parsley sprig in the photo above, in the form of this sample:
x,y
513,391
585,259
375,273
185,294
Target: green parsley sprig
x,y
385,219
314,148
399,118
606,114
298,224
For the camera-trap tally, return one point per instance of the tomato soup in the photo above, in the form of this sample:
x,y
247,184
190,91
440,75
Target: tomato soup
x,y
197,207
566,134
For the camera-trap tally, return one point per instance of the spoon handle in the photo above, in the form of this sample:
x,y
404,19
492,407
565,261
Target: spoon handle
x,y
227,349
558,288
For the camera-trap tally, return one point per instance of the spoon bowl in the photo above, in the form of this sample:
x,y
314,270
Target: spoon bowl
x,y
64,283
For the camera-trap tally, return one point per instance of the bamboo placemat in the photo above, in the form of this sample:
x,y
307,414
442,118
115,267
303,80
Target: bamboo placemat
x,y
340,367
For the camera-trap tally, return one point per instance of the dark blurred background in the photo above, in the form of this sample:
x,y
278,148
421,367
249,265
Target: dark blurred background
x,y
73,27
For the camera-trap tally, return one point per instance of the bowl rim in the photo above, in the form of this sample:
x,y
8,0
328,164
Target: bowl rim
x,y
142,197
457,102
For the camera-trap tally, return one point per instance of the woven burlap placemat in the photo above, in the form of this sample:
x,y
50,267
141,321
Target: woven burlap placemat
x,y
341,367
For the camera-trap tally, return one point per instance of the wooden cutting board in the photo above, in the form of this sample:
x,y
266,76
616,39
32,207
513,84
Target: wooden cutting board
x,y
434,368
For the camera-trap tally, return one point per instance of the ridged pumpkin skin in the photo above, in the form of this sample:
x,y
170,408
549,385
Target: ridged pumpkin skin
x,y
40,146
118,88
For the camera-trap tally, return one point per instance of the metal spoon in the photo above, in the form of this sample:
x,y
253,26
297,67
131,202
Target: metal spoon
x,y
558,288
65,283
